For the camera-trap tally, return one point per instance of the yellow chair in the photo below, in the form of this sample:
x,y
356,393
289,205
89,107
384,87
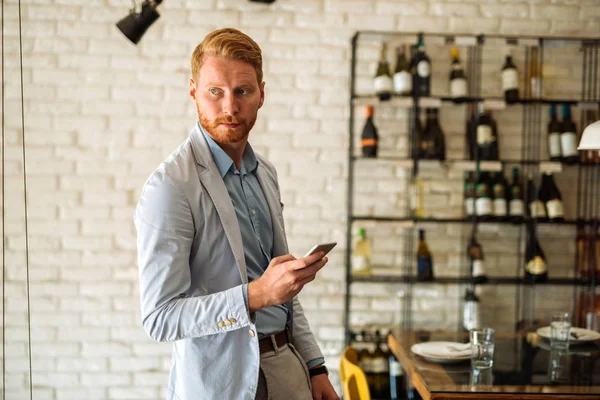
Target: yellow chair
x,y
354,381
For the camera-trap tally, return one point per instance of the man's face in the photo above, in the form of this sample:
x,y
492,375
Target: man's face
x,y
227,95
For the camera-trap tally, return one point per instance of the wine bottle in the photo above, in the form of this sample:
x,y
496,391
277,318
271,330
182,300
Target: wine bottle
x,y
475,252
417,204
516,206
484,134
402,77
583,247
434,144
550,196
397,381
361,255
422,77
554,132
424,260
383,80
369,139
534,76
471,311
470,195
365,359
568,137
536,269
534,204
380,369
483,202
494,149
422,146
499,193
458,80
510,81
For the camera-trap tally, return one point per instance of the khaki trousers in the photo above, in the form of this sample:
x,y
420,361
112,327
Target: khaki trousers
x,y
283,376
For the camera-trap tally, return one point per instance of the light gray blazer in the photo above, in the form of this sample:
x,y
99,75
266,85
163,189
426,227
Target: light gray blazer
x,y
192,268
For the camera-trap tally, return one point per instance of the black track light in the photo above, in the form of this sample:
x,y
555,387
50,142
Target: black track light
x,y
135,24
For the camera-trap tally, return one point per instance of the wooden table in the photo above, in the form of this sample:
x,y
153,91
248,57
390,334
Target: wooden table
x,y
518,370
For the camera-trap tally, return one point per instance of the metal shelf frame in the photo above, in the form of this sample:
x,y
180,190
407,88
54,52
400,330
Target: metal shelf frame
x,y
588,194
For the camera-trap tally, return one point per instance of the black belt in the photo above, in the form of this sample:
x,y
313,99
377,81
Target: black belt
x,y
266,343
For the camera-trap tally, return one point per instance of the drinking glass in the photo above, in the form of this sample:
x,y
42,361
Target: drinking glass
x,y
558,366
482,347
560,330
480,377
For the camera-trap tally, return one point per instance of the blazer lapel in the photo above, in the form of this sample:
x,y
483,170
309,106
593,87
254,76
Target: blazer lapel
x,y
214,185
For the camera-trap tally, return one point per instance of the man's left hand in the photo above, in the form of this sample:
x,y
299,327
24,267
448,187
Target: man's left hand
x,y
322,389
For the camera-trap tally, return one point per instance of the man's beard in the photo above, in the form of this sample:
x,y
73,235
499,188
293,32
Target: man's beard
x,y
225,135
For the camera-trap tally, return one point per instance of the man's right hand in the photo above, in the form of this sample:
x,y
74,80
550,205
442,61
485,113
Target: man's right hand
x,y
283,279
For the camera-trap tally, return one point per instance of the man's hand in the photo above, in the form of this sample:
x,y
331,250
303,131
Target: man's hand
x,y
322,389
283,279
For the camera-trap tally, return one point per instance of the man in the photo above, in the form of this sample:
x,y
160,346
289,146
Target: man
x,y
215,274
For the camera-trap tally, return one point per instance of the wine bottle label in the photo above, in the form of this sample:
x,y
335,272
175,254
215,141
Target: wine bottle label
x,y
483,206
402,82
379,365
554,144
568,141
423,68
458,87
500,209
536,87
555,209
395,368
510,79
537,266
537,210
470,206
471,318
516,208
424,266
478,269
360,263
382,84
366,365
368,142
484,135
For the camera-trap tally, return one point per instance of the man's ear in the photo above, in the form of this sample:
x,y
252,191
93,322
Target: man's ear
x,y
262,95
192,89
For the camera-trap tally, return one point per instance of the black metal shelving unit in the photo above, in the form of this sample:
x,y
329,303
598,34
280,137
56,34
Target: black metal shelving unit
x,y
465,280
588,193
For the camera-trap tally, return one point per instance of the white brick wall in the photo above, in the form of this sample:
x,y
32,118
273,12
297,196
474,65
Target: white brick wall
x,y
102,113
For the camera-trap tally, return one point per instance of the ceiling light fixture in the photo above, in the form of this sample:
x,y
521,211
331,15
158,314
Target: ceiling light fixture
x,y
590,138
136,24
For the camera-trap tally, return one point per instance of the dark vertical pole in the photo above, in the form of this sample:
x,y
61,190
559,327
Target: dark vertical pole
x,y
350,203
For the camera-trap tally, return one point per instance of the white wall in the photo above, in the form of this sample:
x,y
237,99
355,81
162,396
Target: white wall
x,y
100,114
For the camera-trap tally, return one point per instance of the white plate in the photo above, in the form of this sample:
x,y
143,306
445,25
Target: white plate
x,y
442,352
583,335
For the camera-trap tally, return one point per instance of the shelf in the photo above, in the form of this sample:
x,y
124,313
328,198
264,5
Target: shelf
x,y
410,222
490,103
470,165
463,280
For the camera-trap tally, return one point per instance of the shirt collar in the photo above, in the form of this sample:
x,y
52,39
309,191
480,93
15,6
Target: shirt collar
x,y
224,162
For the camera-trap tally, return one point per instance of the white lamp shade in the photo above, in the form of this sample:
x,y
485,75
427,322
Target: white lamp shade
x,y
590,139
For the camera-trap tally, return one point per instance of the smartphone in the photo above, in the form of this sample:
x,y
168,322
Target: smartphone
x,y
325,247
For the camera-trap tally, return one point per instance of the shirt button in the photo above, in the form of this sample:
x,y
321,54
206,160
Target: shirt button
x,y
232,320
251,333
221,324
253,212
227,323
